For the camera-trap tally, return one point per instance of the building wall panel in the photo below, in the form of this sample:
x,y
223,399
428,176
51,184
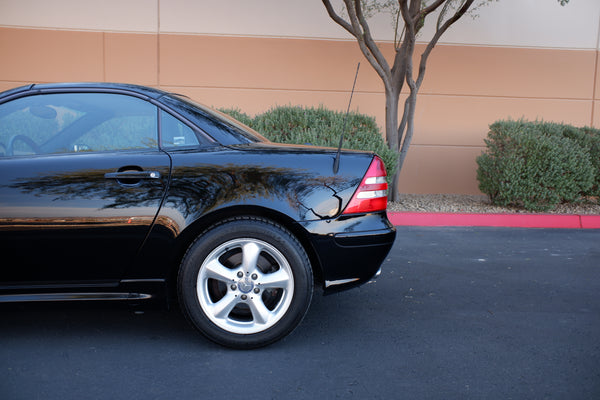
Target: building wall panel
x,y
464,120
131,58
303,64
261,63
440,169
597,77
34,55
105,15
511,72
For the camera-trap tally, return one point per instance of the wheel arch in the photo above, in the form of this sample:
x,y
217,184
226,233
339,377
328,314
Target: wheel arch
x,y
196,228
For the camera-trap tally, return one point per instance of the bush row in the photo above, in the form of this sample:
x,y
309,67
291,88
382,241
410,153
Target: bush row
x,y
319,127
538,165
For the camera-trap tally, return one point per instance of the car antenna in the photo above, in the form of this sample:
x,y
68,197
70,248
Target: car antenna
x,y
336,162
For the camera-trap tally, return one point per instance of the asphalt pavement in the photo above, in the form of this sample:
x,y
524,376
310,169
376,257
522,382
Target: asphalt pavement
x,y
458,313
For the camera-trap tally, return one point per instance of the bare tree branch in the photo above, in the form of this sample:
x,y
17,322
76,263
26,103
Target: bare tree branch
x,y
367,45
409,22
396,38
438,34
399,68
428,10
370,42
339,20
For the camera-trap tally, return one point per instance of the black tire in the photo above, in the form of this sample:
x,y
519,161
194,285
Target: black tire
x,y
245,283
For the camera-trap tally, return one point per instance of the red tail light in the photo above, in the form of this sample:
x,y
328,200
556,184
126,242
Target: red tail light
x,y
371,195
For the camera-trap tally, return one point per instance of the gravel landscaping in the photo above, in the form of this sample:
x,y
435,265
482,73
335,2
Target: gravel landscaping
x,y
455,203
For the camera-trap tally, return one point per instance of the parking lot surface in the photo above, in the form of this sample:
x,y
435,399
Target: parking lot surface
x,y
458,313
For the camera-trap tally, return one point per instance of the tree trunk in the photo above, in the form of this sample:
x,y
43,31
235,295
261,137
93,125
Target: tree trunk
x,y
391,135
411,104
391,120
403,135
394,189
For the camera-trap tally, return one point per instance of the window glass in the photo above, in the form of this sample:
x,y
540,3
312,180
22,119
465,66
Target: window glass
x,y
76,122
175,133
219,126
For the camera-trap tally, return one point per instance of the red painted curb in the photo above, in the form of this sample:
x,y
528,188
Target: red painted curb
x,y
495,220
590,221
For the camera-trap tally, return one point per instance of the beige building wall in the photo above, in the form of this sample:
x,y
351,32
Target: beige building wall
x,y
511,61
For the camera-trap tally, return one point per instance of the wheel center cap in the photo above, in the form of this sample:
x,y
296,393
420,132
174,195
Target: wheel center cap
x,y
245,285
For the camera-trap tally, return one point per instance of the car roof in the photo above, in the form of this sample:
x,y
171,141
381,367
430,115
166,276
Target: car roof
x,y
75,86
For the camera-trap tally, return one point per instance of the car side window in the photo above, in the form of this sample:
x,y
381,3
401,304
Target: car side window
x,y
175,133
27,122
76,122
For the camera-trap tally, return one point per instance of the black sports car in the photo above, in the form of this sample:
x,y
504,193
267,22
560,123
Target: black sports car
x,y
123,192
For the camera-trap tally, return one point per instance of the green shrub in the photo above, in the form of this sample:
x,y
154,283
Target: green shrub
x,y
588,139
320,127
238,114
538,165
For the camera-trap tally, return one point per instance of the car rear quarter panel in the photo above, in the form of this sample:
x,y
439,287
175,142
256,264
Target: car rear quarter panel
x,y
291,182
293,186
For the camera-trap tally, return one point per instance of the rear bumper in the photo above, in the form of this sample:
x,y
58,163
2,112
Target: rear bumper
x,y
351,250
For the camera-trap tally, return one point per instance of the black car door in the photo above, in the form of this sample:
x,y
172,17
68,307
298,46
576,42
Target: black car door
x,y
81,181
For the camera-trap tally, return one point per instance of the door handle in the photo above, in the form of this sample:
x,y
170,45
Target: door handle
x,y
133,175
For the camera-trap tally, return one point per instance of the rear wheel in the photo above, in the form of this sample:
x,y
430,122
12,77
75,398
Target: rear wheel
x,y
245,283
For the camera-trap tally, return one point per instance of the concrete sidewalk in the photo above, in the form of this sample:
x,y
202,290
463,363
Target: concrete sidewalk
x,y
497,220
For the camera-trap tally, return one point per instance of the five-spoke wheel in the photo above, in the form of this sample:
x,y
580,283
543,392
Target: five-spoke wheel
x,y
245,283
